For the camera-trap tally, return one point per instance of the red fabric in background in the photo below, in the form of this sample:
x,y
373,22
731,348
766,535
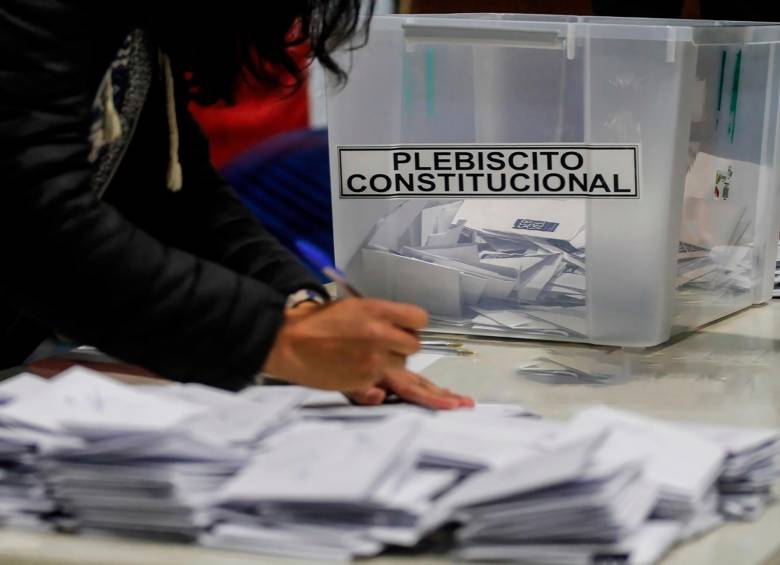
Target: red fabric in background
x,y
255,117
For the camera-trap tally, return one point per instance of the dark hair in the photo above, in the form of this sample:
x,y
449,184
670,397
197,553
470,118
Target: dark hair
x,y
252,39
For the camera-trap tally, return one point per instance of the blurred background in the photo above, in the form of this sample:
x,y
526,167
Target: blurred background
x,y
273,149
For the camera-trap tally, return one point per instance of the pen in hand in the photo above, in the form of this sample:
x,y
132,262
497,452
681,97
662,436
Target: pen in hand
x,y
323,263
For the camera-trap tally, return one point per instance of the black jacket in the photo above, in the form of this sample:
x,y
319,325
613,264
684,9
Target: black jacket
x,y
188,283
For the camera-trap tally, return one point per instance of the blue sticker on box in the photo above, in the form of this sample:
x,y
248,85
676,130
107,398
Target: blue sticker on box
x,y
535,225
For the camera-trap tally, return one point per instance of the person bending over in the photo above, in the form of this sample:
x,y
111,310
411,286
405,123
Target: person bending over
x,y
115,229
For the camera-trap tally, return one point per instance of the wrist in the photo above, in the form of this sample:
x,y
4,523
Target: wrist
x,y
278,359
283,361
304,296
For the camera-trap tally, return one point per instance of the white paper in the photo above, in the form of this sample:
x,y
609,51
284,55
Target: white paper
x,y
573,319
391,229
94,404
665,446
709,223
509,318
567,216
472,287
539,278
465,253
437,219
731,257
445,239
350,462
435,287
21,385
418,362
537,471
497,285
573,281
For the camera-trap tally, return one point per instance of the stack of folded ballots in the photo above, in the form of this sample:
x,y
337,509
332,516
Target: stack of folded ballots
x,y
688,479
609,483
750,470
603,513
379,478
483,265
146,460
288,471
25,500
309,491
686,493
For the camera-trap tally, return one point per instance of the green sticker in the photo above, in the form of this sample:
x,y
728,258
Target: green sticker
x,y
734,97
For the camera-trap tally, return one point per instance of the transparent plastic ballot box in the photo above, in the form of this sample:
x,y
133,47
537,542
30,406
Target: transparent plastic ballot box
x,y
557,177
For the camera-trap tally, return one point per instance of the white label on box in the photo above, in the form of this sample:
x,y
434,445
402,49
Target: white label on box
x,y
481,171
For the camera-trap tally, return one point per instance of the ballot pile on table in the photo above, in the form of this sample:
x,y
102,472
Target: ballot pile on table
x,y
295,472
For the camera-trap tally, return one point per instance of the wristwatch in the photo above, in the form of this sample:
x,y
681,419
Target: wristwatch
x,y
303,295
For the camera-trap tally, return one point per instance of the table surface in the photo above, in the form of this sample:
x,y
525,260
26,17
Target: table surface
x,y
725,373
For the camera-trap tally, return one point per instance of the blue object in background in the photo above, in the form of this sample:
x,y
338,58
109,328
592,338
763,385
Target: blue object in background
x,y
285,182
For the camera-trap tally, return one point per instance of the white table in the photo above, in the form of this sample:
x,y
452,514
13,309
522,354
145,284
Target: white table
x,y
728,372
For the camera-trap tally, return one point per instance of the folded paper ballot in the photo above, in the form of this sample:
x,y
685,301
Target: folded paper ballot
x,y
550,371
445,239
749,472
85,401
283,470
560,220
406,279
20,385
663,445
366,448
708,223
713,254
389,234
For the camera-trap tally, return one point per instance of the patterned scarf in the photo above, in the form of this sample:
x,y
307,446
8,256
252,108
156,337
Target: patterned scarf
x,y
117,108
